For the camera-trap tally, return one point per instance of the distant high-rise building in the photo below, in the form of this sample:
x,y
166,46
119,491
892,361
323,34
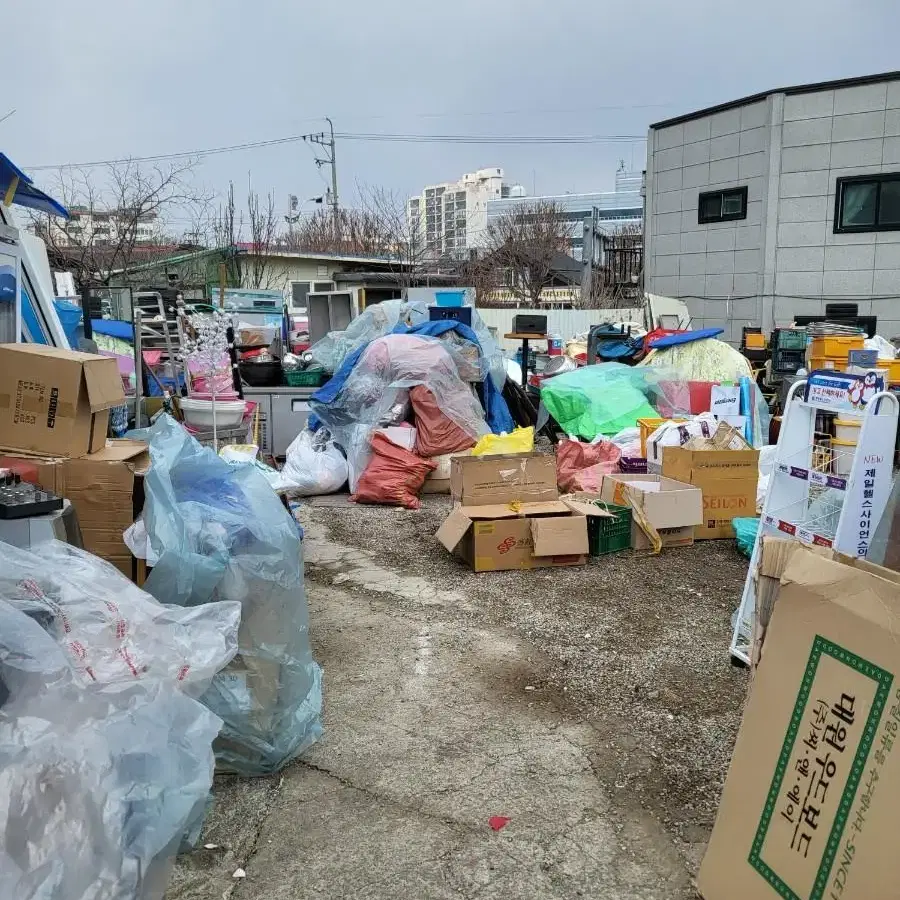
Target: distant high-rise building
x,y
622,207
451,218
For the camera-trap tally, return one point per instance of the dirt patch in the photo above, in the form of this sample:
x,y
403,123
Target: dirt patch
x,y
635,645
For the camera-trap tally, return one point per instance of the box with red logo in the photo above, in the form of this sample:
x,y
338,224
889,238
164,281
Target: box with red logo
x,y
507,515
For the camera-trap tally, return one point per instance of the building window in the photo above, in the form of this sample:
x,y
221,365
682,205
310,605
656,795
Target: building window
x,y
867,203
722,206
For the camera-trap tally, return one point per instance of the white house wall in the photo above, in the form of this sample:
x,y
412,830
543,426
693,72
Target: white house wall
x,y
714,268
784,259
829,135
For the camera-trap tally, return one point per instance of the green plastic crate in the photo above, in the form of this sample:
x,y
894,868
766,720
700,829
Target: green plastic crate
x,y
609,535
304,378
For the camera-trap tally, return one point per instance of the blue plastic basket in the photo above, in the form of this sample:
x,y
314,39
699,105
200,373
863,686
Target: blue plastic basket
x,y
450,298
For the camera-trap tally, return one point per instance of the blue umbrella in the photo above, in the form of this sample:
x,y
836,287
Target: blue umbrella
x,y
16,187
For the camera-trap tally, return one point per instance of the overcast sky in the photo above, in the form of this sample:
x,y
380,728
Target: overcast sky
x,y
120,78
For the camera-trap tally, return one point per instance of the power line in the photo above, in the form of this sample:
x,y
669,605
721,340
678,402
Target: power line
x,y
373,137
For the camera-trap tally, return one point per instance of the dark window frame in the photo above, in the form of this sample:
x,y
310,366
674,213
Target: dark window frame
x,y
722,217
877,178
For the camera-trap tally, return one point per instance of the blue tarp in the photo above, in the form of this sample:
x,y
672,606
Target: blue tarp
x,y
684,337
496,411
26,193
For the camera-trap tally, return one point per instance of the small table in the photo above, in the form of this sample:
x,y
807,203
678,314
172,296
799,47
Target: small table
x,y
525,337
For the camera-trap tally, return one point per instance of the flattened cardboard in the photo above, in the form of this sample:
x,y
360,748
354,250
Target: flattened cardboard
x,y
485,480
728,480
809,808
56,402
559,535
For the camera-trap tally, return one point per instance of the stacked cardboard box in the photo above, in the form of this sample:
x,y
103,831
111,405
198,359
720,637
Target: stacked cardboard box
x,y
54,414
508,515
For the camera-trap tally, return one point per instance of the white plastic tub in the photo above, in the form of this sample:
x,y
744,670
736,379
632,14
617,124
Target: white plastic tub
x,y
199,413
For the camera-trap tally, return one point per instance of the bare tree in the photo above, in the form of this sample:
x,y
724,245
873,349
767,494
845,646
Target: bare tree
x,y
523,246
253,262
119,218
359,231
403,244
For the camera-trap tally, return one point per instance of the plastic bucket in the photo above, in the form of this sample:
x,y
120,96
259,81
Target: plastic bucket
x,y
450,298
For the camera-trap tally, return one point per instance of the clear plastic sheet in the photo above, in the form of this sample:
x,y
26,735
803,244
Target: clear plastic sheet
x,y
99,782
220,533
373,322
111,629
380,383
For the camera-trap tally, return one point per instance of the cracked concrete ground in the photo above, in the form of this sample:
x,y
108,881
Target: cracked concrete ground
x,y
438,717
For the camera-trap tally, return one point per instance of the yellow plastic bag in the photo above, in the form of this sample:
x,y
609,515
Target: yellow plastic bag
x,y
521,440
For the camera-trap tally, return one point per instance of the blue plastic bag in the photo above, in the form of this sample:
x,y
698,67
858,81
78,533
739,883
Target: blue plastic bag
x,y
221,533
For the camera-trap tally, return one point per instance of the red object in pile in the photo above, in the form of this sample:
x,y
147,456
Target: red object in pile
x,y
435,433
581,467
658,333
393,476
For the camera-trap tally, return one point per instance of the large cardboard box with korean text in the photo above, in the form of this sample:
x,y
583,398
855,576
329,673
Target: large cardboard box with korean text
x,y
811,802
56,402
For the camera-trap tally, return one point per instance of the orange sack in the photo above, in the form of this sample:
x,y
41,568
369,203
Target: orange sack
x,y
581,467
393,476
435,433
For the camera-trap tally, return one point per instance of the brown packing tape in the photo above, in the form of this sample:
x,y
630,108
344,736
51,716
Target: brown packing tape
x,y
35,403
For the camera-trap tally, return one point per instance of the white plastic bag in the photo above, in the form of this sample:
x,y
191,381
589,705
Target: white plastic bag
x,y
314,465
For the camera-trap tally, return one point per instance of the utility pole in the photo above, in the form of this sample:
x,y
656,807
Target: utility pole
x,y
327,143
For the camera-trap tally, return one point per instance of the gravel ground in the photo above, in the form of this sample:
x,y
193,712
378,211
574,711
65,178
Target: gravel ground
x,y
636,645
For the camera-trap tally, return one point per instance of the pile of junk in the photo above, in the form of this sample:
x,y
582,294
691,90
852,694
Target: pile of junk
x,y
405,395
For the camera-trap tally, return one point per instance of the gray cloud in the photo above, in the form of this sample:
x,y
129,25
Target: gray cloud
x,y
130,78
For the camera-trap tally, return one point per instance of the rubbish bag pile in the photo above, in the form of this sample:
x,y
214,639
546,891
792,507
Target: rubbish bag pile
x,y
218,532
417,376
106,758
608,400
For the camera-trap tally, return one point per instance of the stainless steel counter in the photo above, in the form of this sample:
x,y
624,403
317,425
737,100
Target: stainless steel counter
x,y
283,414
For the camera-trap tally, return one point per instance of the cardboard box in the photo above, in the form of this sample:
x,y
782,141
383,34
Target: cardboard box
x,y
438,481
56,402
728,480
106,489
672,507
509,515
810,804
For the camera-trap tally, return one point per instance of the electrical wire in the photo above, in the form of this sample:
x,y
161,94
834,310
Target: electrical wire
x,y
356,136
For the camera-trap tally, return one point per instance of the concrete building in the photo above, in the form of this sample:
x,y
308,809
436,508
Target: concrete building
x,y
771,206
451,218
87,225
618,208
